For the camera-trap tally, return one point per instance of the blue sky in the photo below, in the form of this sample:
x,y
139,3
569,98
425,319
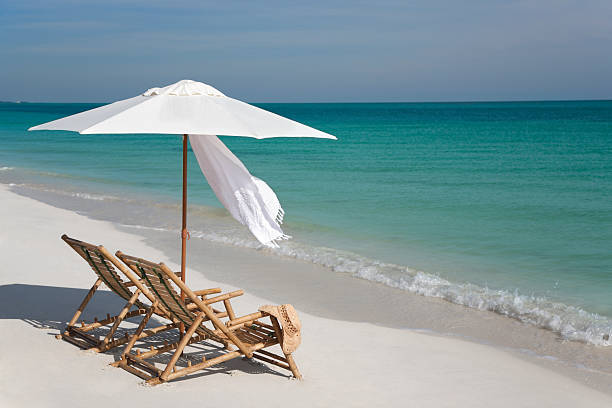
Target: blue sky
x,y
308,51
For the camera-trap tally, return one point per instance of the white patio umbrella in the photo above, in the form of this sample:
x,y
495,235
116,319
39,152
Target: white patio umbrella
x,y
186,107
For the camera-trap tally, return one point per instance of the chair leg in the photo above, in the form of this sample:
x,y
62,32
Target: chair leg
x,y
82,306
294,370
179,350
289,357
119,319
141,327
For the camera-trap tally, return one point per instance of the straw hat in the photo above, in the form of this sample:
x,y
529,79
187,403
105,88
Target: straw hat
x,y
290,324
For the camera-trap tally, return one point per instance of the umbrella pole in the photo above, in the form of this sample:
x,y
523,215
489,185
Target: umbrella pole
x,y
184,233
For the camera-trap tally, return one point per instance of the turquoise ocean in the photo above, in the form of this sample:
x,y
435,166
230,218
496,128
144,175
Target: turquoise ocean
x,y
497,206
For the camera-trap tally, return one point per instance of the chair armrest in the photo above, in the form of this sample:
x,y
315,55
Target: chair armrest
x,y
221,298
202,293
246,318
207,291
194,308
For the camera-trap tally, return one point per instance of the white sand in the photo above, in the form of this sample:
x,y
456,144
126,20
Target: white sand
x,y
343,363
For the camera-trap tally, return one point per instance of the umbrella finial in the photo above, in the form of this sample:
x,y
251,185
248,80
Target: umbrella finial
x,y
185,87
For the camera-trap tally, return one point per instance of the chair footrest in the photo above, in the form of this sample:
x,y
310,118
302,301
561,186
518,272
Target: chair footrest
x,y
144,365
77,342
271,361
85,336
145,375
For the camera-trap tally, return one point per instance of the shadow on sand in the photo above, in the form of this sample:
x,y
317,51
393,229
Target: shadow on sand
x,y
50,307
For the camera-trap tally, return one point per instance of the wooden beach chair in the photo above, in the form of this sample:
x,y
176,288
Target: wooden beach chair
x,y
247,333
106,267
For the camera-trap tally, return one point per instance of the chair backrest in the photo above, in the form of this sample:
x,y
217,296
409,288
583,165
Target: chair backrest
x,y
163,290
102,266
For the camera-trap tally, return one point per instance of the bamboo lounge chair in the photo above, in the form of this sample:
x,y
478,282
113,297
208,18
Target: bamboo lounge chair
x,y
105,267
249,335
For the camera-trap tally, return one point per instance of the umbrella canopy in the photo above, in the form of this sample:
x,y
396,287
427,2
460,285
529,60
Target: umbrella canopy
x,y
186,107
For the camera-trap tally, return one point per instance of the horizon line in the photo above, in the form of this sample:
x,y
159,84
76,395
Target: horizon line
x,y
356,102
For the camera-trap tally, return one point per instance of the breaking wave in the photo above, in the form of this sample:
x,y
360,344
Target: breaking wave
x,y
571,322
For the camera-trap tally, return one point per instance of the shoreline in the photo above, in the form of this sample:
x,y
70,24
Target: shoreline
x,y
146,213
318,293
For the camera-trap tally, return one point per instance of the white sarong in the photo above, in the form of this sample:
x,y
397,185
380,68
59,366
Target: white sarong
x,y
248,199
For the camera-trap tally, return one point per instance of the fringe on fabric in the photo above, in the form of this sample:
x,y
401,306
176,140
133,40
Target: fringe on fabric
x,y
280,216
